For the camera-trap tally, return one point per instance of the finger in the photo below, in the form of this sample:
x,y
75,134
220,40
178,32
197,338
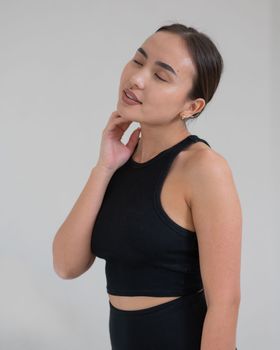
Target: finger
x,y
121,123
134,137
114,116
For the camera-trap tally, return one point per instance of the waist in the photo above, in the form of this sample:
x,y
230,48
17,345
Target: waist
x,y
134,303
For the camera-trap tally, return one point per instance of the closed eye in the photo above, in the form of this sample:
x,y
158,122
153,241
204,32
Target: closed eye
x,y
155,74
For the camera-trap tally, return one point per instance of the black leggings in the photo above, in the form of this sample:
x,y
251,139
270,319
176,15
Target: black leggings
x,y
176,324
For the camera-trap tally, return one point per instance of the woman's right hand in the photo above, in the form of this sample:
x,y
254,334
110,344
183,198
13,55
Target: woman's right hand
x,y
113,153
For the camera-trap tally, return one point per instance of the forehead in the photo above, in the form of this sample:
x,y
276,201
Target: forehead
x,y
171,49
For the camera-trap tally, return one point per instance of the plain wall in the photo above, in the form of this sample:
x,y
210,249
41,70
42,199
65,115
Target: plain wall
x,y
60,65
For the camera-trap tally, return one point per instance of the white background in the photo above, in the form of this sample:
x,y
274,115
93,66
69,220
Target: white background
x,y
60,65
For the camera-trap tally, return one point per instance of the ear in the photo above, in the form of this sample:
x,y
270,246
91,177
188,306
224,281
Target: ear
x,y
193,107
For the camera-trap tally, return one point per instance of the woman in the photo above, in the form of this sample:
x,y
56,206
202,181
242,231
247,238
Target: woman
x,y
172,252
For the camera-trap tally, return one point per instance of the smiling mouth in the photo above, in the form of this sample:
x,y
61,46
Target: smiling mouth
x,y
131,98
128,100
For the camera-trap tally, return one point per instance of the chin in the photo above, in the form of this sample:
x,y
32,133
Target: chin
x,y
129,116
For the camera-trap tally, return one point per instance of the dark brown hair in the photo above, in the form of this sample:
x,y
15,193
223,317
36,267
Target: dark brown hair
x,y
206,58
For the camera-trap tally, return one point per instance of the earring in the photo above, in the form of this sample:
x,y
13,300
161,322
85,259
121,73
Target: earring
x,y
183,117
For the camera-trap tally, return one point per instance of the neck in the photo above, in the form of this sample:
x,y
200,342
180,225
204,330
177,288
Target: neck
x,y
154,140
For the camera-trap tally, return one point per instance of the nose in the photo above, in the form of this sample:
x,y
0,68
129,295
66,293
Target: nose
x,y
137,79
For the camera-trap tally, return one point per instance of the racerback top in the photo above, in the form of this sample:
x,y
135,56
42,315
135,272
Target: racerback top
x,y
146,252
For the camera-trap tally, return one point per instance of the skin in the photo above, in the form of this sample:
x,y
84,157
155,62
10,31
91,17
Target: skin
x,y
208,202
164,102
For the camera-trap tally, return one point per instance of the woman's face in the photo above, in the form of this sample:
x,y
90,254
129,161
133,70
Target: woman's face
x,y
162,91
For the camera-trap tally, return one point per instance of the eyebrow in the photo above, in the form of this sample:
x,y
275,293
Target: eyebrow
x,y
159,63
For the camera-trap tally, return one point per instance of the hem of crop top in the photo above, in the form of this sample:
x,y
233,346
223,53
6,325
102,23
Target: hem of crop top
x,y
156,293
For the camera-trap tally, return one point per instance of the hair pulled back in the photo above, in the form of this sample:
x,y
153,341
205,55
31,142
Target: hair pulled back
x,y
206,58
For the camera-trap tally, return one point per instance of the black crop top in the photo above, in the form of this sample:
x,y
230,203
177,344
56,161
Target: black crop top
x,y
146,252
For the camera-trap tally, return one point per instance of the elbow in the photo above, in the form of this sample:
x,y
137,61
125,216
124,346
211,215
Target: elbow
x,y
58,261
62,273
68,274
235,298
232,300
66,268
59,268
62,269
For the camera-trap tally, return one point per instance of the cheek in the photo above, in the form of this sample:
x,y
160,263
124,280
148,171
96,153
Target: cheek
x,y
161,106
166,98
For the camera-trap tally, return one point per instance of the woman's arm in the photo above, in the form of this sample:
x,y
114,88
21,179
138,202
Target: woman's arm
x,y
72,255
217,217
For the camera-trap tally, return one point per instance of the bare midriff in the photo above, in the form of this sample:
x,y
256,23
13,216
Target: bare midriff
x,y
137,302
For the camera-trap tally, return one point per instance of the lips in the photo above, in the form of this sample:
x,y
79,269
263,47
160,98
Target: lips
x,y
130,94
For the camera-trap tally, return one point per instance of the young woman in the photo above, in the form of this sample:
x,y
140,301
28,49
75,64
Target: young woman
x,y
162,210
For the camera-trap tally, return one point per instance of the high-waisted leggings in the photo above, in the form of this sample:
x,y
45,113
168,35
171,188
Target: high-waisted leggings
x,y
173,325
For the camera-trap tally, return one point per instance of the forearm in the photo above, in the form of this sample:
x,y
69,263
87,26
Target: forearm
x,y
219,328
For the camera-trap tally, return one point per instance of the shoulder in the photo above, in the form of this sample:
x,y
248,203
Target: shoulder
x,y
203,167
206,161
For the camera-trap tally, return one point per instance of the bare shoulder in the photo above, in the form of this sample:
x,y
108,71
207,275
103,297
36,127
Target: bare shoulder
x,y
202,164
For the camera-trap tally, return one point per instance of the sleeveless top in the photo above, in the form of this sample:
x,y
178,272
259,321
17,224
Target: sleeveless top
x,y
146,252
